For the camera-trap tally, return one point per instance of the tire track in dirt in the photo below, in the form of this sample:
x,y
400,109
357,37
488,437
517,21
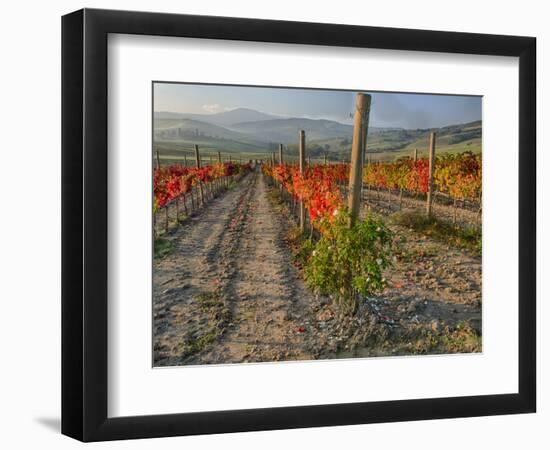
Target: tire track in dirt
x,y
193,270
270,306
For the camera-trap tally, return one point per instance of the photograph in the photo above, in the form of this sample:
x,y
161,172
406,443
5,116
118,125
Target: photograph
x,y
295,224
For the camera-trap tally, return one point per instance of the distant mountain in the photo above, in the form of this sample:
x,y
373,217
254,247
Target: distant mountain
x,y
224,119
168,115
188,129
286,130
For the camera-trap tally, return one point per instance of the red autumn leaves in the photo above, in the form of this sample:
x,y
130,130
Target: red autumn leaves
x,y
458,176
317,187
172,181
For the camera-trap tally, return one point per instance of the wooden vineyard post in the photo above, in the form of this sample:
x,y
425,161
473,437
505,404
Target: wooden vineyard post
x,y
363,156
415,154
281,163
192,200
185,160
365,187
302,154
480,211
208,186
325,159
198,162
219,182
431,167
360,124
454,211
158,160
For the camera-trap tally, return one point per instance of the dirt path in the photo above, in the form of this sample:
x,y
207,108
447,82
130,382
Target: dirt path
x,y
186,281
230,280
270,304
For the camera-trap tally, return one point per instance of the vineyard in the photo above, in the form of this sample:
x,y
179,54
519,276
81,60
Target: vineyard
x,y
318,187
458,176
271,260
323,188
175,184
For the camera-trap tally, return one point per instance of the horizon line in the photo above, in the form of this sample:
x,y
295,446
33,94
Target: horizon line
x,y
279,117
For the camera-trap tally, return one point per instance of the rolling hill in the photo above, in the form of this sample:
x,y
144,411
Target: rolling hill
x,y
264,133
286,131
224,119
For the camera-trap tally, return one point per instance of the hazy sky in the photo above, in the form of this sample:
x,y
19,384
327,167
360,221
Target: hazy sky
x,y
387,110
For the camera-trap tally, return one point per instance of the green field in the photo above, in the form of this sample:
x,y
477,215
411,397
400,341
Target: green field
x,y
175,143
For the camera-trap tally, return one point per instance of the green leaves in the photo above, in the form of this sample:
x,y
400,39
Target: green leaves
x,y
346,261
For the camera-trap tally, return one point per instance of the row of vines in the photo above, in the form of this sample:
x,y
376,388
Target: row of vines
x,y
181,189
173,181
456,175
345,261
339,260
317,187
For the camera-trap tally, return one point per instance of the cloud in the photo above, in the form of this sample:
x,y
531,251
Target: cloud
x,y
391,111
215,108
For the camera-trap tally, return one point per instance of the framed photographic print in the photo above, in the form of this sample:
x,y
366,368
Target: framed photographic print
x,y
273,224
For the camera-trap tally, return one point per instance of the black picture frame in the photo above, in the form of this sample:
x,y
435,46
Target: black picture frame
x,y
84,224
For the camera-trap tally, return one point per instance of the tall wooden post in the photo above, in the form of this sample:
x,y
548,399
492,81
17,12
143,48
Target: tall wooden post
x,y
219,157
185,160
158,160
281,163
302,154
197,157
415,154
273,159
360,124
363,152
431,153
198,161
